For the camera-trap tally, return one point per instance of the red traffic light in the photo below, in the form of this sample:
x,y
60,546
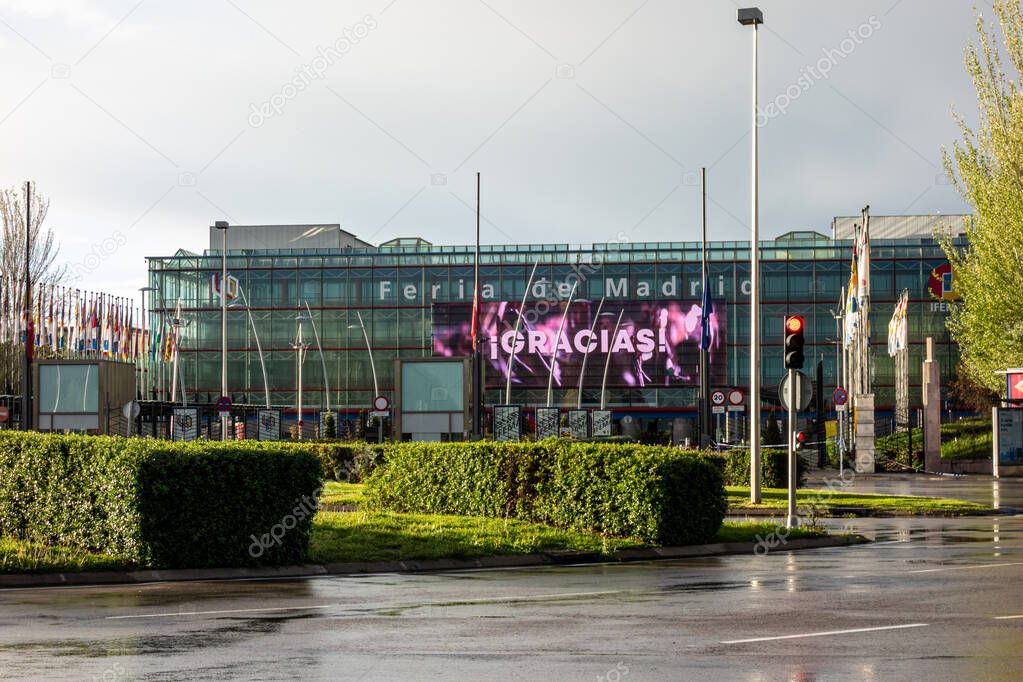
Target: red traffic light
x,y
800,436
794,323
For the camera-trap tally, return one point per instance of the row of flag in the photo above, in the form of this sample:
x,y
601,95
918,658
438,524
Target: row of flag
x,y
76,323
857,303
898,332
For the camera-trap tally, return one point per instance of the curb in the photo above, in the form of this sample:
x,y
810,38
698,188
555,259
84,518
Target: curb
x,y
838,511
556,558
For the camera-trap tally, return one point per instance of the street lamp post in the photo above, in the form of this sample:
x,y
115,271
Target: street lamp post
x,y
177,324
372,369
582,369
607,360
225,417
515,338
259,346
557,340
752,16
300,347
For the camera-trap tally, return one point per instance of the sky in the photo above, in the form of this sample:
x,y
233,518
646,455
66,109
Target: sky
x,y
589,121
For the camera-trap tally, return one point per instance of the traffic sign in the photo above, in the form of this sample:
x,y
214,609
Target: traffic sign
x,y
840,396
804,390
5,414
381,403
717,400
736,400
223,404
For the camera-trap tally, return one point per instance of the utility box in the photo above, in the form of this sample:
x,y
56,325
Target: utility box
x,y
83,396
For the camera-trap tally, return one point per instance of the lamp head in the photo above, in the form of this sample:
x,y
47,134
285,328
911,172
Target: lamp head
x,y
750,16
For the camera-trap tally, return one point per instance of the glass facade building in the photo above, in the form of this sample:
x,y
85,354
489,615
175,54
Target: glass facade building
x,y
414,299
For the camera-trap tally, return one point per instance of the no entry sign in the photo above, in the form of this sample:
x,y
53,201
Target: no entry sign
x,y
736,400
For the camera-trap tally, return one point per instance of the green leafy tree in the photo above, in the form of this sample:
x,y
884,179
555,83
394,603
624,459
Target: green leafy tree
x,y
772,434
329,426
986,166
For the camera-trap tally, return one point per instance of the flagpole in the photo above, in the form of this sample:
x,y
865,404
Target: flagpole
x,y
26,363
704,365
477,360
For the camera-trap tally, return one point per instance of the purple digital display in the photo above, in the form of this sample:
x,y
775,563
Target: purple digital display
x,y
657,343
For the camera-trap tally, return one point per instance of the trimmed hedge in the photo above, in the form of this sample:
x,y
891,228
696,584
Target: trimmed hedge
x,y
156,503
774,468
654,493
351,462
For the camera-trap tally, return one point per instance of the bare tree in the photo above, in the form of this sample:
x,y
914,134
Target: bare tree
x,y
42,264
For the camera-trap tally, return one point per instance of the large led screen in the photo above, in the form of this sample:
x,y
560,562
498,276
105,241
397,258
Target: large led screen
x,y
657,343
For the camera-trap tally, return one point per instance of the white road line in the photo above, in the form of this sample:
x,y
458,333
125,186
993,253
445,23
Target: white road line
x,y
1008,617
826,633
466,602
965,568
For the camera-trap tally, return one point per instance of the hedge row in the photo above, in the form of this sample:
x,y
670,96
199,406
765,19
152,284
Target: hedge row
x,y
351,462
774,468
654,493
157,503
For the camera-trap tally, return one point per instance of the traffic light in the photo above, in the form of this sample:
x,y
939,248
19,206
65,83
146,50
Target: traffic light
x,y
794,326
799,440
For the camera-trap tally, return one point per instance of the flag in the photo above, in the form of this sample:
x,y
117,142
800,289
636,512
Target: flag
x,y
706,310
851,306
863,268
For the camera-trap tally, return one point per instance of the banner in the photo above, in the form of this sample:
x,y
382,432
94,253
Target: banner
x,y
657,343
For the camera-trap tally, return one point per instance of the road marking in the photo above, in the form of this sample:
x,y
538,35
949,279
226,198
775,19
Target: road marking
x,y
1008,617
826,633
210,613
965,568
448,602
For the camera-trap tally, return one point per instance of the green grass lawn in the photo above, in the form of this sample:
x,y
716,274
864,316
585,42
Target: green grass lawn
x,y
365,535
382,536
20,556
777,498
347,494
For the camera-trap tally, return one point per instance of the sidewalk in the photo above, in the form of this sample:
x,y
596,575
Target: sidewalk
x,y
997,493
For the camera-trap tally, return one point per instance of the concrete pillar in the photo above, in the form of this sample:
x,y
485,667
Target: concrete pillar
x,y
932,410
864,433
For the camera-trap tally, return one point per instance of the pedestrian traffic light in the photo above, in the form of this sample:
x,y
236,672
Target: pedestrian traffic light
x,y
794,326
799,440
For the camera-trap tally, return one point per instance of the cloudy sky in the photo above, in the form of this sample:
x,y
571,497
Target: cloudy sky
x,y
146,121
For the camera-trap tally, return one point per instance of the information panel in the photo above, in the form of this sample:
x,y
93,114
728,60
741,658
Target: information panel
x,y
185,423
601,423
1009,436
269,425
507,422
579,423
547,422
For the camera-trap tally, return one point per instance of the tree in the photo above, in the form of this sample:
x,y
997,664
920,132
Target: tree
x,y
772,434
43,267
986,166
968,394
329,426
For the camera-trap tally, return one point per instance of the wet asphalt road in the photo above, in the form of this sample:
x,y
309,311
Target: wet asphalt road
x,y
933,599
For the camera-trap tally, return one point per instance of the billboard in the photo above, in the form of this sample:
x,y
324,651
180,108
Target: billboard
x,y
656,345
